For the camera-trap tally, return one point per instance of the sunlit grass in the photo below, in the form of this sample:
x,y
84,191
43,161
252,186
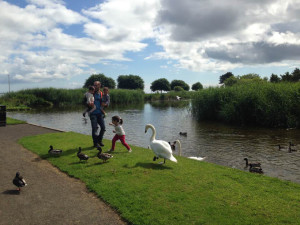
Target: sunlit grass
x,y
187,192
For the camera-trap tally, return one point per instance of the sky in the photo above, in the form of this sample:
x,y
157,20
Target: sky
x,y
56,43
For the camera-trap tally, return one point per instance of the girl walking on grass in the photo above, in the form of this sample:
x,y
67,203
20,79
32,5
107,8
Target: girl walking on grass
x,y
120,133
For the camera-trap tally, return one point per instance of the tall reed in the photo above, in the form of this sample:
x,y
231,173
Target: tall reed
x,y
65,97
257,103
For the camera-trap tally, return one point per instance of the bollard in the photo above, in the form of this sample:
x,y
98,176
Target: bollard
x,y
2,115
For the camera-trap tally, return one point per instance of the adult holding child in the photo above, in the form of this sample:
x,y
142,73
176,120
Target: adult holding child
x,y
96,116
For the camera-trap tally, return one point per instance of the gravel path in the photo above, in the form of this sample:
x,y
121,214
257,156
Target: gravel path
x,y
51,196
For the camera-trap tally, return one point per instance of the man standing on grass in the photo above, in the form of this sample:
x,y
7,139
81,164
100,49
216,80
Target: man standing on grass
x,y
96,117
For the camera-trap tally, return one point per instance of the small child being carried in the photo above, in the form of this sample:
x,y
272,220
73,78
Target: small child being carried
x,y
89,101
105,100
120,133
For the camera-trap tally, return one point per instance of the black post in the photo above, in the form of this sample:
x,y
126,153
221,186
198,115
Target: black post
x,y
2,115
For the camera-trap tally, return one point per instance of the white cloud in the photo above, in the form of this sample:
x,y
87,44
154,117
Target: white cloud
x,y
213,35
37,42
35,47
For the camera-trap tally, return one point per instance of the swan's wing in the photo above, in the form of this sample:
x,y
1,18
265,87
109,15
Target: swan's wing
x,y
162,149
165,144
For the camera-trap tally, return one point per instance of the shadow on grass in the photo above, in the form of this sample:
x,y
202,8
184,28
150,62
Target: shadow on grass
x,y
154,166
78,162
11,192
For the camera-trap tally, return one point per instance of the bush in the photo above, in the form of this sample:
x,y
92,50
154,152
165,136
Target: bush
x,y
178,88
256,103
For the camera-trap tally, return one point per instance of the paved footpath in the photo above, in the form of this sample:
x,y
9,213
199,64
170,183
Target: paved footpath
x,y
51,197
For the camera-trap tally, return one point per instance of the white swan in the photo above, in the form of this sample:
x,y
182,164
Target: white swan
x,y
161,149
191,157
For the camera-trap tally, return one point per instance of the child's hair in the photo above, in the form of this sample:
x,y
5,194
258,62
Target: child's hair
x,y
91,88
118,119
105,89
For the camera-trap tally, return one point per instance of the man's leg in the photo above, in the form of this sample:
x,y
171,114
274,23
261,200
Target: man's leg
x,y
100,120
94,124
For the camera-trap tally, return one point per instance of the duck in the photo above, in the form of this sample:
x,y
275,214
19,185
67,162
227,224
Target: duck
x,y
291,149
256,170
183,133
54,151
104,156
19,181
280,147
252,164
173,147
191,157
82,156
291,144
160,148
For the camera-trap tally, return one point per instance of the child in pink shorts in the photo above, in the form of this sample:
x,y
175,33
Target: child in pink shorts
x,y
120,133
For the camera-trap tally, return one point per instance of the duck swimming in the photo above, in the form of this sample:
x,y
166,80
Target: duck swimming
x,y
251,164
256,170
173,147
19,181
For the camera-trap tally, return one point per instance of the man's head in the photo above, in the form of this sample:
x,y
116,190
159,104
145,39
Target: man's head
x,y
97,85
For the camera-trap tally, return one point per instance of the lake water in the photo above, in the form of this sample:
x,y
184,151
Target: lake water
x,y
221,144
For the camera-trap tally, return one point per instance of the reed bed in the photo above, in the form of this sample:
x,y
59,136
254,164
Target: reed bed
x,y
64,97
258,104
171,95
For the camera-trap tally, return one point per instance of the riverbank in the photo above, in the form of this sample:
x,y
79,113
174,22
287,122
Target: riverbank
x,y
189,192
51,197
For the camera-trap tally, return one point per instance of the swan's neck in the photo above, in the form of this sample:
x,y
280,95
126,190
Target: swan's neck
x,y
179,144
153,134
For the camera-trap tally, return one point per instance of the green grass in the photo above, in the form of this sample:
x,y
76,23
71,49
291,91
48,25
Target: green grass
x,y
187,192
11,121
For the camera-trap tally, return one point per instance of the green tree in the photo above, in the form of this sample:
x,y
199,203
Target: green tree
x,y
296,75
105,81
274,78
197,86
160,85
287,77
178,88
130,82
180,83
231,81
250,76
225,77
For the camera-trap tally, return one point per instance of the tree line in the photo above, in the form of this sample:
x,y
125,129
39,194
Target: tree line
x,y
134,82
228,79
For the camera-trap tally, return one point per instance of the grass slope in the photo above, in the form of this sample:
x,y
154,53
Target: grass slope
x,y
189,192
12,121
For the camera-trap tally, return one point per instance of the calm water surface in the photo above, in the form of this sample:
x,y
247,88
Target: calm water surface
x,y
221,144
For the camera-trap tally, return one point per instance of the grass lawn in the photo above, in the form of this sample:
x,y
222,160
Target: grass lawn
x,y
187,192
11,121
